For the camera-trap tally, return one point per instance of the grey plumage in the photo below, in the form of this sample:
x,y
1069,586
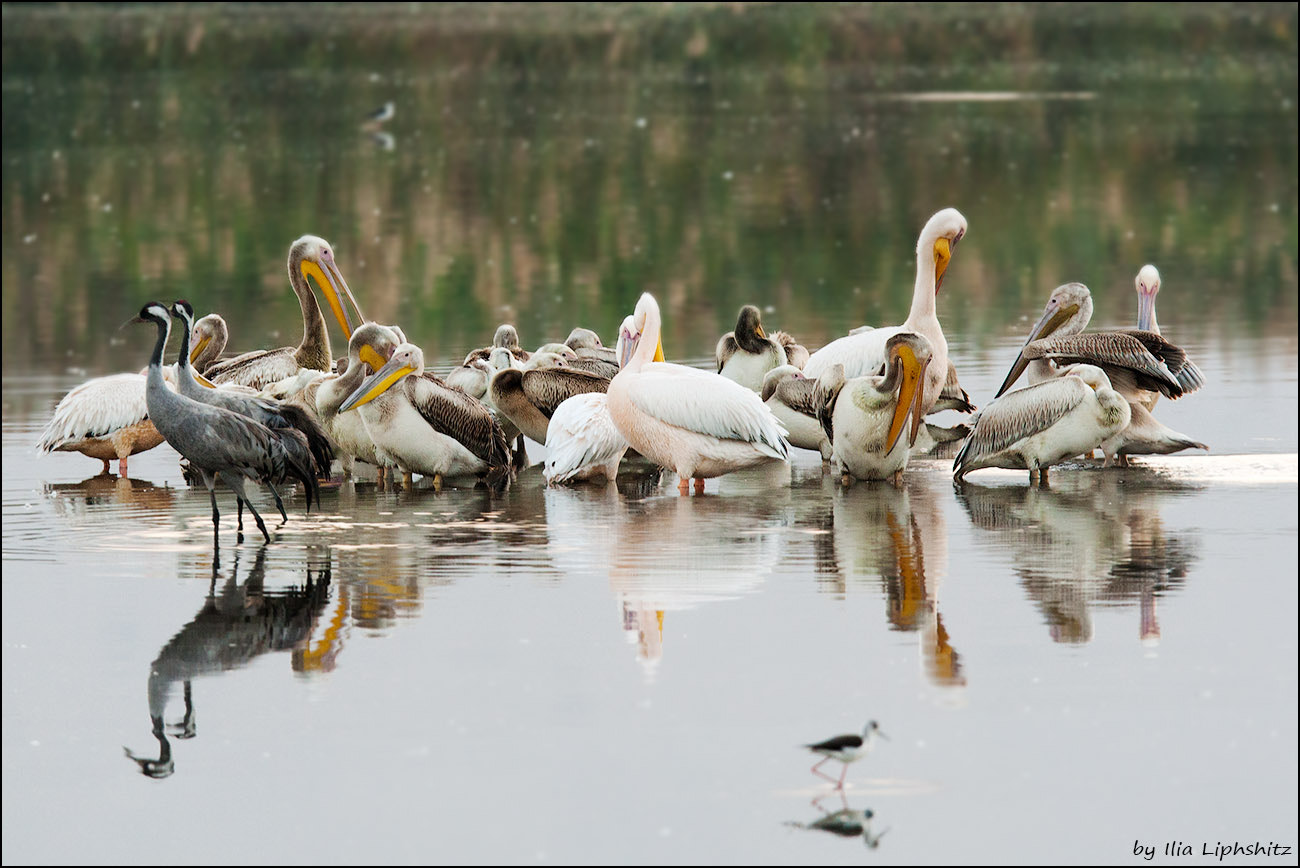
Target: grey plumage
x,y
217,441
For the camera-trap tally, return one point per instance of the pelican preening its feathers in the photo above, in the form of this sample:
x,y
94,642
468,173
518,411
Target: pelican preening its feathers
x,y
309,257
863,354
747,354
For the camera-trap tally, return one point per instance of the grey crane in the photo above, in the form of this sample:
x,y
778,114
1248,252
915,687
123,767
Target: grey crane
x,y
217,441
268,411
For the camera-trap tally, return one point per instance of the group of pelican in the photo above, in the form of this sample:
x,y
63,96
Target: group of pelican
x,y
272,414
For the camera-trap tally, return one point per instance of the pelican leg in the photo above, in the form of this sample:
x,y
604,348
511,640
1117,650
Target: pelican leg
x,y
437,482
699,485
520,458
408,480
379,478
683,485
1042,476
845,479
121,467
1033,477
898,479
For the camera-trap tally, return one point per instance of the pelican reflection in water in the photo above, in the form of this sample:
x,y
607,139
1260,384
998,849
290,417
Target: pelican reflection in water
x,y
900,536
235,625
1092,540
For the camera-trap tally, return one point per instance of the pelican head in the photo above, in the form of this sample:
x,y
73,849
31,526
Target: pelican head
x,y
407,359
908,355
311,256
1067,312
939,239
373,345
749,330
506,336
501,359
1090,374
564,351
644,326
583,339
547,359
1147,284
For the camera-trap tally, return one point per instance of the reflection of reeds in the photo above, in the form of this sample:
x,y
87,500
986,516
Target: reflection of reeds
x,y
765,170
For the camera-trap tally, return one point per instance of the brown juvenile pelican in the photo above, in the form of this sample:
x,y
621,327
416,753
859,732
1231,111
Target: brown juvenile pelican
x,y
369,349
422,425
312,257
216,441
268,411
694,422
863,354
505,336
1136,363
586,343
864,419
746,355
1144,435
528,398
1035,427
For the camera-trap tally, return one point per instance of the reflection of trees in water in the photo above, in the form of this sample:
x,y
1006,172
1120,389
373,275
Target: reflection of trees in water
x,y
235,625
770,160
1092,538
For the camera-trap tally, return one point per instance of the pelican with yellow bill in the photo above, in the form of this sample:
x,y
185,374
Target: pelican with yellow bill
x,y
311,259
421,425
864,417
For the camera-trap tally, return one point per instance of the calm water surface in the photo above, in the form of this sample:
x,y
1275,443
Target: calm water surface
x,y
620,674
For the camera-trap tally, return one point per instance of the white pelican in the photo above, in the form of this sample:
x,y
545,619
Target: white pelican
x,y
369,349
863,354
108,417
866,416
529,397
1035,427
795,401
309,256
1137,363
582,441
216,441
424,426
691,421
747,354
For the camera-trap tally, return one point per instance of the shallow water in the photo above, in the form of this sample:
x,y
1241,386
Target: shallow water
x,y
619,674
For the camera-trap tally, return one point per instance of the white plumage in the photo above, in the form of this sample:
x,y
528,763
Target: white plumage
x,y
582,441
104,418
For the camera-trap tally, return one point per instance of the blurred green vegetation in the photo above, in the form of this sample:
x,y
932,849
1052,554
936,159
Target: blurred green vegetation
x,y
549,163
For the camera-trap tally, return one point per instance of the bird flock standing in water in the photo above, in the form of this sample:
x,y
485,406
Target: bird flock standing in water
x,y
860,402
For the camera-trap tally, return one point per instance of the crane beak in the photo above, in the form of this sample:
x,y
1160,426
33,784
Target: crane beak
x,y
378,383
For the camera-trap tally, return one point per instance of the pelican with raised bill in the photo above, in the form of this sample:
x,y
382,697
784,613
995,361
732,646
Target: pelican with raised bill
x,y
1036,427
693,422
865,418
747,354
1136,363
309,257
863,353
216,441
422,425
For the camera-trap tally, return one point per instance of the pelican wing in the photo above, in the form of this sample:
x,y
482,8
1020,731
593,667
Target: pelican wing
x,y
96,408
862,354
453,413
707,403
548,388
799,394
953,396
1112,350
1189,376
258,369
594,365
727,347
581,435
1020,414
